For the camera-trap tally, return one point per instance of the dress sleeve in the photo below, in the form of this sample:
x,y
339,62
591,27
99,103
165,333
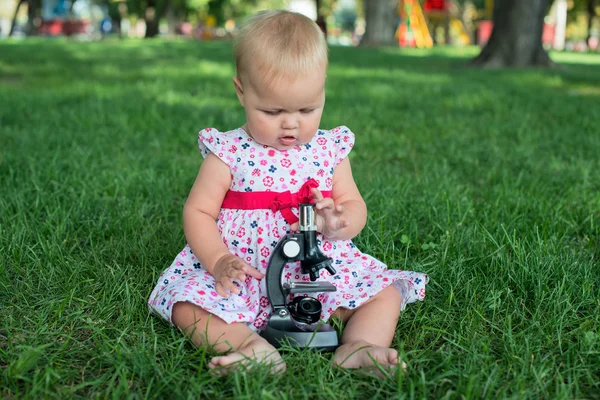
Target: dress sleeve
x,y
343,140
210,140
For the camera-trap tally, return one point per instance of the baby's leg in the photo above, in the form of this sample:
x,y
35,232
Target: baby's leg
x,y
241,344
369,332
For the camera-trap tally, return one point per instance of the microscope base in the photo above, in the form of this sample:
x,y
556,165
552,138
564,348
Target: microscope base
x,y
283,330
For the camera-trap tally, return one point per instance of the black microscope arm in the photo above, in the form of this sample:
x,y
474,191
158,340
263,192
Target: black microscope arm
x,y
289,249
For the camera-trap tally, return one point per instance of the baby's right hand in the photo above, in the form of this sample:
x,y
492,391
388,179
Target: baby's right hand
x,y
228,268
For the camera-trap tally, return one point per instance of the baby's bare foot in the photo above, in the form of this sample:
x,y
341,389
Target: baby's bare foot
x,y
255,352
366,357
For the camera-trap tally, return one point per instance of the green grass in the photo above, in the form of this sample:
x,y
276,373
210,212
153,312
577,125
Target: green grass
x,y
489,181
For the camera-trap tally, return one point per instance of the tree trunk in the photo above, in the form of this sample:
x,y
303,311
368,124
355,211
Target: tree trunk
x,y
151,19
321,18
591,13
14,20
32,26
516,39
153,15
381,17
318,5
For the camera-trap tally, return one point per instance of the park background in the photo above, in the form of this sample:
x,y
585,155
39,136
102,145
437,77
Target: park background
x,y
479,164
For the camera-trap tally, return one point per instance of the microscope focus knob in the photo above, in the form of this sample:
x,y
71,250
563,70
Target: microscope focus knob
x,y
291,249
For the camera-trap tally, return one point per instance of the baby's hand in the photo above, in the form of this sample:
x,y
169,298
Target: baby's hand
x,y
330,217
228,268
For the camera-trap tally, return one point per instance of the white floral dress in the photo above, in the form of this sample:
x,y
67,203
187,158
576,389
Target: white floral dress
x,y
252,234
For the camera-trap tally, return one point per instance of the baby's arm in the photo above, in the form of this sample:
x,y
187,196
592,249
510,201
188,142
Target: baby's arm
x,y
199,215
343,215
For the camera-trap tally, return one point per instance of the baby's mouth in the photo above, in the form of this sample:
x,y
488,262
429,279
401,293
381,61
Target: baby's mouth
x,y
287,140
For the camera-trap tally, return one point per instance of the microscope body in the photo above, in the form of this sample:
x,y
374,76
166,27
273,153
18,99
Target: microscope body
x,y
297,321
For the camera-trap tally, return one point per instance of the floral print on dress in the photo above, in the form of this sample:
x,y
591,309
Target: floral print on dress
x,y
253,234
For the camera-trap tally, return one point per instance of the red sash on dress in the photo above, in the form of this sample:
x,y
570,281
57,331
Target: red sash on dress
x,y
282,201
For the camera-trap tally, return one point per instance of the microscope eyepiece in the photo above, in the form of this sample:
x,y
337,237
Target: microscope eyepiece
x,y
308,218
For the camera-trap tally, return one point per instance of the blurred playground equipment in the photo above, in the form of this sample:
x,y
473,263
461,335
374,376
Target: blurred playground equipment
x,y
441,21
443,13
417,27
412,30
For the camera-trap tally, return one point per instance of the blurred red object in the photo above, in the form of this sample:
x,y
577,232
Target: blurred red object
x,y
548,34
484,31
435,5
57,27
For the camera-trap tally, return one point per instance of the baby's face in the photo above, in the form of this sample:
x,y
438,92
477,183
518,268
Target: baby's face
x,y
285,113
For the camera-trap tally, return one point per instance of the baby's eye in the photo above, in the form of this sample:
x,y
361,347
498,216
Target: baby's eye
x,y
307,110
272,112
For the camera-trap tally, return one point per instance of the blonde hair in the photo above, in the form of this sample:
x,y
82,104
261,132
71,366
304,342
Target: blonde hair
x,y
279,44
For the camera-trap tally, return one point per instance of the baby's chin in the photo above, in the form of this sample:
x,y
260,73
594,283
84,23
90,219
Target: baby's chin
x,y
284,148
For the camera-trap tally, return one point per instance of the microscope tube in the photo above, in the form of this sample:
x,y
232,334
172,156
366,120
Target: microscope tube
x,y
308,218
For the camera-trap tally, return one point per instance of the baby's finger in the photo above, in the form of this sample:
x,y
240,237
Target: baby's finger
x,y
231,287
220,290
253,272
342,223
246,268
340,208
236,274
325,204
317,195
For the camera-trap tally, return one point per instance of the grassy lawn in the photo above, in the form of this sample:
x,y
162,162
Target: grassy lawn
x,y
489,181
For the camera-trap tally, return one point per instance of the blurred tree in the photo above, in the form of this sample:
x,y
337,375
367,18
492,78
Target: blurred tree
x,y
589,8
33,14
320,17
325,8
381,17
34,8
221,10
155,11
516,39
592,5
346,19
224,10
216,8
14,19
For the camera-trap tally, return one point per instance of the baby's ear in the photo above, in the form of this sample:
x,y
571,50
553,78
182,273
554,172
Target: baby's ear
x,y
239,90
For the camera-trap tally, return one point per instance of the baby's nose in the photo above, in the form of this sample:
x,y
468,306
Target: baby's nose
x,y
289,122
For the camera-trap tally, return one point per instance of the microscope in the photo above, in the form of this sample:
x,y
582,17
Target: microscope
x,y
297,322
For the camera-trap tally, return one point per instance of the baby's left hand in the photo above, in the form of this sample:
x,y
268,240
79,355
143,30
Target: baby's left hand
x,y
330,217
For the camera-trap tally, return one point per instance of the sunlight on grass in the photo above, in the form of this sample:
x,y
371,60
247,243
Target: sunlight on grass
x,y
174,98
460,52
575,58
585,91
373,72
198,69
